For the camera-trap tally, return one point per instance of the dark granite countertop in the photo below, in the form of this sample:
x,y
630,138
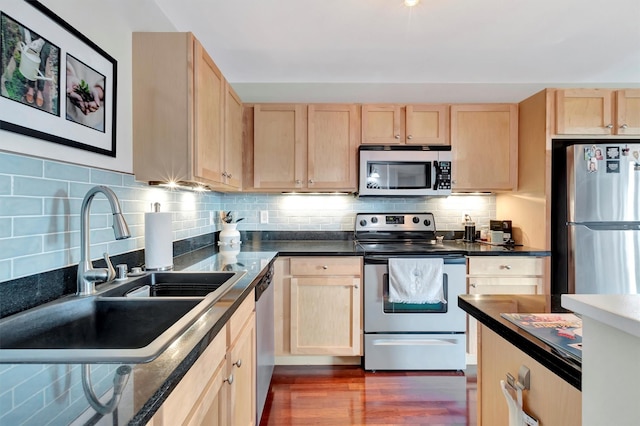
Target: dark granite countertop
x,y
487,309
152,382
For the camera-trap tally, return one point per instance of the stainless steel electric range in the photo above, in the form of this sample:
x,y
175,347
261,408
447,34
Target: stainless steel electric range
x,y
409,335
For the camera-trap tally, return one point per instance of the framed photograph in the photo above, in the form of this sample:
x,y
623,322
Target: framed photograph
x,y
55,84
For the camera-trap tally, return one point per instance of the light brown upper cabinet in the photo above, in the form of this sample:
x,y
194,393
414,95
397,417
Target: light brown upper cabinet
x,y
183,118
305,147
232,167
419,124
598,112
484,146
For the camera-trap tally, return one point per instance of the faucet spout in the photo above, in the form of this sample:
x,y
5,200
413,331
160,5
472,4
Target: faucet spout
x,y
87,275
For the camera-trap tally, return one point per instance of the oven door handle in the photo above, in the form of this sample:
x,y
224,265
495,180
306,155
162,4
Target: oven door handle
x,y
383,260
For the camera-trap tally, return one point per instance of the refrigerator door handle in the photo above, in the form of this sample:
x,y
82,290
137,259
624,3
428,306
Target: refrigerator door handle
x,y
608,226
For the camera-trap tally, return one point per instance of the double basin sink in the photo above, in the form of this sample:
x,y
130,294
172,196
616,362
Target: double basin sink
x,y
128,322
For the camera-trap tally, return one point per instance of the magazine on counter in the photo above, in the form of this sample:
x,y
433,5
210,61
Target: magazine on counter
x,y
561,331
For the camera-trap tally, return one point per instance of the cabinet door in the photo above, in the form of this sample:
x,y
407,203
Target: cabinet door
x,y
628,112
233,139
325,315
381,124
208,112
551,400
332,146
196,398
484,146
584,112
427,124
242,360
279,157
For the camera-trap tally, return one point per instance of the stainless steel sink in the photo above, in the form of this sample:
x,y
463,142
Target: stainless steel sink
x,y
111,328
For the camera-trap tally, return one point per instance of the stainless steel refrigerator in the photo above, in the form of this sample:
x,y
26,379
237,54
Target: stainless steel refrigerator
x,y
603,217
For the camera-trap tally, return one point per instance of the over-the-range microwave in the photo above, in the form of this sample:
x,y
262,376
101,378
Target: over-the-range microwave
x,y
404,170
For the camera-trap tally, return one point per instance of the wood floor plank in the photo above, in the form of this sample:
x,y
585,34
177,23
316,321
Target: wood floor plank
x,y
350,396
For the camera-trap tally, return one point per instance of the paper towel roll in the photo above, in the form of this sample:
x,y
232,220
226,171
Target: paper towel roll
x,y
158,250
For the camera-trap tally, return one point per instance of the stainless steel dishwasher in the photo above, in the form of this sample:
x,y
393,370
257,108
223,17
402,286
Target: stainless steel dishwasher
x,y
265,340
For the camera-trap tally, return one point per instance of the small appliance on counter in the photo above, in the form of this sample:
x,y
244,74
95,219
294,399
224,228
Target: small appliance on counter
x,y
503,226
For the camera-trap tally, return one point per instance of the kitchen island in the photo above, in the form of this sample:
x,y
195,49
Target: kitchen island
x,y
554,396
611,360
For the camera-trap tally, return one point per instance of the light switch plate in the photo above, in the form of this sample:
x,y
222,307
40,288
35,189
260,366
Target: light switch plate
x,y
264,216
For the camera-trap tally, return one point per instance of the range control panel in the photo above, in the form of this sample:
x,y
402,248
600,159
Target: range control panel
x,y
391,222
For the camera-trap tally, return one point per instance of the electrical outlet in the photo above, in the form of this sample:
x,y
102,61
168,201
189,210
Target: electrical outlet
x,y
264,216
211,218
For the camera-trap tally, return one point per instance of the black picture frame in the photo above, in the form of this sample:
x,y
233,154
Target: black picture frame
x,y
86,92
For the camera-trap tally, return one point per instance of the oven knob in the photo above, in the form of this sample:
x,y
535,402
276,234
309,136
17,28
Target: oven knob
x,y
427,222
416,219
363,222
374,219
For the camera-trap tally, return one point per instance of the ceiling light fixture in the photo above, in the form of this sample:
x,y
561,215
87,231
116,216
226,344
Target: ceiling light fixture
x,y
411,3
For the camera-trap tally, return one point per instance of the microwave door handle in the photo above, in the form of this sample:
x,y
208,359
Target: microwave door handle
x,y
436,175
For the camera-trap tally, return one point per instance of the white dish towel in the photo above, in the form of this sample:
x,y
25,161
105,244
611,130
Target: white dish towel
x,y
416,280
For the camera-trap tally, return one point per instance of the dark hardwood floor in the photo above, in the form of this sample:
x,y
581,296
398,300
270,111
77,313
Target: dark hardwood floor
x,y
341,396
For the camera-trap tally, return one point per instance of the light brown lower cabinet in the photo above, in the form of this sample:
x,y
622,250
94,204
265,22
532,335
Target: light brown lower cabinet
x,y
318,309
219,389
551,400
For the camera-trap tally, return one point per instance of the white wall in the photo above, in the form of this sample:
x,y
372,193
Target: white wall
x,y
108,24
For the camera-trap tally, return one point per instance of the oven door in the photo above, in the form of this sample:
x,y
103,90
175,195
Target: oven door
x,y
382,316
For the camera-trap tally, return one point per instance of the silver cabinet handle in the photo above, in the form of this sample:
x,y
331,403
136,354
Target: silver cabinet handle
x,y
229,380
505,267
397,136
624,126
238,363
609,126
325,267
409,137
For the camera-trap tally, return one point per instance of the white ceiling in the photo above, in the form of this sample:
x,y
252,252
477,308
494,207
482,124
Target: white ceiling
x,y
439,51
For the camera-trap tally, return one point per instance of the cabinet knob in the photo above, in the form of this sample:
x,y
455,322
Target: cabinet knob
x,y
229,175
355,286
609,126
325,267
472,285
298,181
311,181
624,126
505,267
238,363
409,137
230,379
224,174
397,136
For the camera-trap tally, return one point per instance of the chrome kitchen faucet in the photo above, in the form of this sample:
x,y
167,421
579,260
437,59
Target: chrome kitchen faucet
x,y
87,275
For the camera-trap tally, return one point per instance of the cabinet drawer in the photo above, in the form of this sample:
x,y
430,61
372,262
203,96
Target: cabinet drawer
x,y
505,266
325,266
499,285
240,316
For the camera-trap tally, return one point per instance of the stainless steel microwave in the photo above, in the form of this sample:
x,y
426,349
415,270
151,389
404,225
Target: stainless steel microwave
x,y
404,170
